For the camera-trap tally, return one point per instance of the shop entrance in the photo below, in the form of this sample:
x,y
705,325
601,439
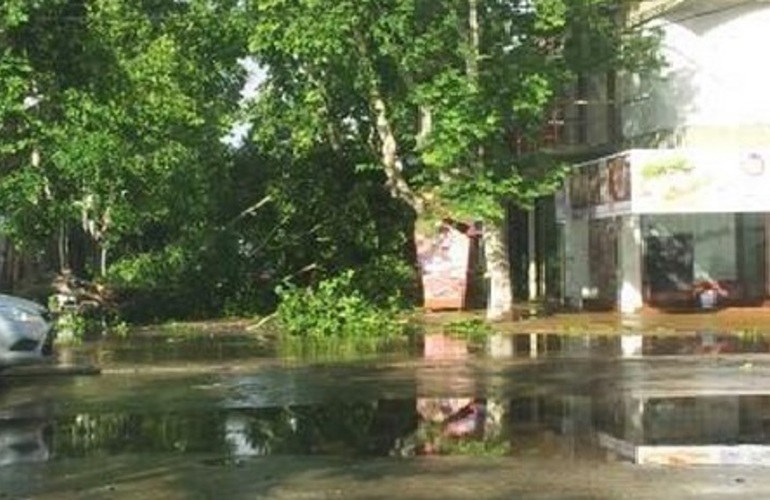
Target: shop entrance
x,y
669,268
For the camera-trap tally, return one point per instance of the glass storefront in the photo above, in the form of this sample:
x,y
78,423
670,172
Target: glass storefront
x,y
700,259
603,262
667,228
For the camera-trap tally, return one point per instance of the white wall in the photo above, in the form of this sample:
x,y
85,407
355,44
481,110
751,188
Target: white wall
x,y
717,74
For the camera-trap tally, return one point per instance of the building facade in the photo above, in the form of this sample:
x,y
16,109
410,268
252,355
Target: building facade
x,y
681,218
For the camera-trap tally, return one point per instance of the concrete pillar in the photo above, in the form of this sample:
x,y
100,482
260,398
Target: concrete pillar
x,y
531,255
576,272
630,299
501,345
631,346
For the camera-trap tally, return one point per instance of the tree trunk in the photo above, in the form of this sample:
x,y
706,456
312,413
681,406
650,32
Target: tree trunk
x,y
472,61
390,158
500,297
102,260
532,283
63,247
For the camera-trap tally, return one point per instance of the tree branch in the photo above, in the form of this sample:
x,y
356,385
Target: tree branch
x,y
392,163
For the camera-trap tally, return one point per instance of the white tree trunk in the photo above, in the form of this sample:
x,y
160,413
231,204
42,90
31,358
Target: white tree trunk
x,y
532,283
63,247
391,161
472,62
500,297
103,260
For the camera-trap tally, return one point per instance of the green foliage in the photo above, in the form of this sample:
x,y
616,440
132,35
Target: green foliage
x,y
148,270
75,325
124,116
169,283
326,67
476,448
338,349
119,330
475,329
112,114
70,327
335,308
388,281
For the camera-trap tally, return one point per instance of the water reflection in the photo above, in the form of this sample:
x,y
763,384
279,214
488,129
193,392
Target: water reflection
x,y
165,348
626,346
25,434
231,347
580,397
453,425
693,430
375,428
720,429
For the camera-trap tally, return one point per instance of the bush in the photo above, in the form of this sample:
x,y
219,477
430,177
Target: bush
x,y
335,308
388,281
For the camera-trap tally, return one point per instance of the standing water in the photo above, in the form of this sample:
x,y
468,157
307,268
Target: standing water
x,y
591,401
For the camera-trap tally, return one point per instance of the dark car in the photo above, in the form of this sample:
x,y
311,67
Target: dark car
x,y
26,333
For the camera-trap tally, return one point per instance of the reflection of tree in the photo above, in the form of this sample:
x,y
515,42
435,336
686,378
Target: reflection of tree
x,y
444,425
92,434
339,428
345,428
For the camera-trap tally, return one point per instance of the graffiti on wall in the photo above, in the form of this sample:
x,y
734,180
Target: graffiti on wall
x,y
444,264
703,181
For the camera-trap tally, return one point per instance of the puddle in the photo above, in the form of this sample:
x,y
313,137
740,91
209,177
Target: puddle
x,y
695,430
385,427
194,348
213,349
219,349
627,345
697,399
706,430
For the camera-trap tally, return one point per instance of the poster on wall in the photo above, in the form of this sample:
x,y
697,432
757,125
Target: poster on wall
x,y
618,179
602,188
684,181
592,171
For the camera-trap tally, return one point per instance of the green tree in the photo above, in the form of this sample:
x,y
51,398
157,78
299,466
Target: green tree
x,y
434,92
21,129
117,110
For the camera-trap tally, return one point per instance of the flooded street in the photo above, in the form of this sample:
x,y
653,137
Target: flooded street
x,y
541,416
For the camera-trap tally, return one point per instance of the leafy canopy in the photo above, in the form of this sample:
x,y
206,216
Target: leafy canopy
x,y
452,82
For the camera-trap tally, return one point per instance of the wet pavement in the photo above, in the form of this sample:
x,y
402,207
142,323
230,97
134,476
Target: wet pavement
x,y
534,415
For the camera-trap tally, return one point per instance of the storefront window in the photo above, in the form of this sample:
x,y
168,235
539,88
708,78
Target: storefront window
x,y
719,256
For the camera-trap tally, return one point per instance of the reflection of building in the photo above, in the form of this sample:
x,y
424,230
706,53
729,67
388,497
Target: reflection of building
x,y
683,218
627,423
687,430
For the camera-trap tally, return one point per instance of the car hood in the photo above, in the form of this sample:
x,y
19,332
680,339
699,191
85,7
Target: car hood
x,y
21,303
